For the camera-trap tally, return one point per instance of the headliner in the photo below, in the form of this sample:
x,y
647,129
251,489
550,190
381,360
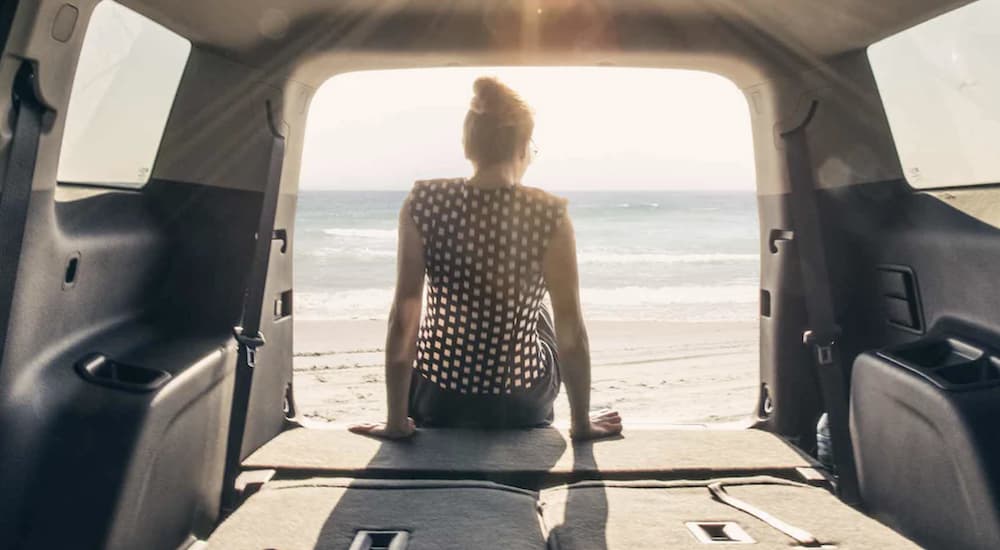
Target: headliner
x,y
743,39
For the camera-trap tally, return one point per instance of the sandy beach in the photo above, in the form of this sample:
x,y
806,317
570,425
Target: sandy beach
x,y
651,371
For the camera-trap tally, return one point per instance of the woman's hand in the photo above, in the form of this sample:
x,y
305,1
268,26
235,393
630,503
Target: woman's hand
x,y
604,423
384,430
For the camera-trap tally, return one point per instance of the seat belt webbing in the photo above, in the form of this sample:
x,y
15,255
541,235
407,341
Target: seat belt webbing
x,y
248,333
801,536
15,188
823,330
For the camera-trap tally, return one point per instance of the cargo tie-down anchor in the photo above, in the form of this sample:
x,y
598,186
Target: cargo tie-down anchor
x,y
380,540
719,532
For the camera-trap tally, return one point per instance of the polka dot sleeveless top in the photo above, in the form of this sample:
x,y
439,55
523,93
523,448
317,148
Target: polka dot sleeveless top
x,y
483,250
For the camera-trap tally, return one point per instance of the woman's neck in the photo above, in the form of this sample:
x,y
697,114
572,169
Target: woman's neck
x,y
497,175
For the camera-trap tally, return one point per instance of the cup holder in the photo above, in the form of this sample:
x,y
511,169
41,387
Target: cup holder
x,y
975,372
100,369
949,363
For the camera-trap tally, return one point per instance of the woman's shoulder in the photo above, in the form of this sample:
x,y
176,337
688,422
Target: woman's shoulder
x,y
538,195
432,191
438,184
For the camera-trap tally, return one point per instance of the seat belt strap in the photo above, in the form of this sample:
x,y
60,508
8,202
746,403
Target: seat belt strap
x,y
823,330
247,333
15,188
801,536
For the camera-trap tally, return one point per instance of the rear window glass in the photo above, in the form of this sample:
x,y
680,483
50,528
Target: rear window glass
x,y
940,83
125,84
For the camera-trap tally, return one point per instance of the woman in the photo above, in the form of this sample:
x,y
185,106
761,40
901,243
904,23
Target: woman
x,y
485,353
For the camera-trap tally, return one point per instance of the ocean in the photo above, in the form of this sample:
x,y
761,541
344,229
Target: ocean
x,y
643,255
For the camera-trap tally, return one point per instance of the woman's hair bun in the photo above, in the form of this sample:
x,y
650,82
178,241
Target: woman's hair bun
x,y
491,96
498,125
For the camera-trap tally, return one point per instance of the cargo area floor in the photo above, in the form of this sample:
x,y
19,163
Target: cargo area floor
x,y
536,455
329,513
332,487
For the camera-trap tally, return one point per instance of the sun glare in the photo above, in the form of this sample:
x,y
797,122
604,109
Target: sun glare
x,y
596,128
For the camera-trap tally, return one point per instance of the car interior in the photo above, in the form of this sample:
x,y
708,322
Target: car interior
x,y
146,392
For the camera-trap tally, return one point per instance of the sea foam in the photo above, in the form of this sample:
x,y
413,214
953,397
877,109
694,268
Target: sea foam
x,y
355,233
671,303
661,258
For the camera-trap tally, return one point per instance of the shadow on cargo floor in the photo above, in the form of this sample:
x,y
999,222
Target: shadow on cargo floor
x,y
466,509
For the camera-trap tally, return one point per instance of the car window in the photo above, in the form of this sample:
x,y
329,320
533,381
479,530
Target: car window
x,y
940,84
126,80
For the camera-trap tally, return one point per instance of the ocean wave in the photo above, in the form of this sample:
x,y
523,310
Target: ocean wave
x,y
639,205
585,257
680,303
365,303
355,252
659,258
639,296
382,234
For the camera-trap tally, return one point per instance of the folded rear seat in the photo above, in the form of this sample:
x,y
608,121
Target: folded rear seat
x,y
650,514
328,513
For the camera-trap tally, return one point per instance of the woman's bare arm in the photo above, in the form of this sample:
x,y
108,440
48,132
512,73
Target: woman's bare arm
x,y
401,337
563,283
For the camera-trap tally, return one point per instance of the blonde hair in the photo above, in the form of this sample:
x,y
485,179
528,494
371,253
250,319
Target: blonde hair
x,y
498,125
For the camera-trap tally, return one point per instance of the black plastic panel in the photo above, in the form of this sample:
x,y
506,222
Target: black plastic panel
x,y
125,451
793,400
928,458
273,374
210,233
101,369
953,256
947,362
914,278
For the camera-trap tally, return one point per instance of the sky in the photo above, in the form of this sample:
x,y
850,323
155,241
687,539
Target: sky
x,y
600,128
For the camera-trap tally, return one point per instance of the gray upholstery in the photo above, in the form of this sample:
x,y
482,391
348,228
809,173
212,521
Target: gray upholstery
x,y
665,452
326,514
624,515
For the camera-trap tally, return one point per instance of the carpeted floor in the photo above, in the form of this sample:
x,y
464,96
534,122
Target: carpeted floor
x,y
674,453
601,516
326,514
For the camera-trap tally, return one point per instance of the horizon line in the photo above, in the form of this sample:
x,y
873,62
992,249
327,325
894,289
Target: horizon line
x,y
753,189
